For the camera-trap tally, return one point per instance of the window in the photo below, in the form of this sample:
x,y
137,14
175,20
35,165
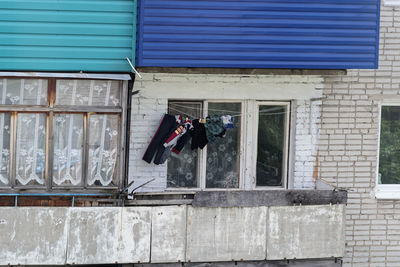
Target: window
x,y
222,163
272,143
217,165
388,171
392,2
61,133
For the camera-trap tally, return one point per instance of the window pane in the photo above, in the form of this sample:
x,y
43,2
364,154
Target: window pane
x,y
31,146
389,153
222,170
68,136
270,145
4,148
103,150
88,92
182,167
23,92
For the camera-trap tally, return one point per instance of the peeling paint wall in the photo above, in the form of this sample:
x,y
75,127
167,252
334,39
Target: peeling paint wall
x,y
57,236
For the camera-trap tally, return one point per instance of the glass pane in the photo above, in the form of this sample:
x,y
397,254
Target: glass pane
x,y
88,92
4,148
389,152
31,147
270,145
103,150
222,170
182,167
23,92
68,138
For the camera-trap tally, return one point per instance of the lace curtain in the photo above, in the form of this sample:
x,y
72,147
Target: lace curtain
x,y
222,170
68,138
103,150
68,154
4,148
182,168
31,147
91,93
31,128
103,133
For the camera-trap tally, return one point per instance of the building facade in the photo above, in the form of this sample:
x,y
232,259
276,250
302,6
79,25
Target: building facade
x,y
296,181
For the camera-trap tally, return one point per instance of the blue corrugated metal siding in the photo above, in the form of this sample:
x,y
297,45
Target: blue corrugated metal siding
x,y
308,34
67,35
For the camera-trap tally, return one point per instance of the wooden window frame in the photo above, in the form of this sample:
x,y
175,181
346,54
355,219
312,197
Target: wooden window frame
x,y
50,110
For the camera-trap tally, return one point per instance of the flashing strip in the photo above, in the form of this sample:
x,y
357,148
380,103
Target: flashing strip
x,y
120,77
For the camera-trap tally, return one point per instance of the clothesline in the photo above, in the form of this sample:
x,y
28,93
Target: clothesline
x,y
263,113
230,111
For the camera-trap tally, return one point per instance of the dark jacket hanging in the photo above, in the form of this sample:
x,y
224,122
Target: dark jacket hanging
x,y
167,126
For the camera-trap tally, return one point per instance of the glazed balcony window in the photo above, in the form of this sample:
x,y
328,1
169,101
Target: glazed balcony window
x,y
255,151
61,134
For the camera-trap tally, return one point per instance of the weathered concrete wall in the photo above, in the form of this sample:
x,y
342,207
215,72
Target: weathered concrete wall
x,y
108,235
225,234
168,232
74,235
296,232
57,236
33,235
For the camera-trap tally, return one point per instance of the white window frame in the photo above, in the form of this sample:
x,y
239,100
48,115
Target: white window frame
x,y
247,149
384,191
285,148
391,2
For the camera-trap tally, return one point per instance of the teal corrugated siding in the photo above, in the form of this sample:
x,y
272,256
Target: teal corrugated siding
x,y
67,35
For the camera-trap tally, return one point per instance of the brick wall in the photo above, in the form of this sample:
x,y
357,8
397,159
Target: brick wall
x,y
308,117
349,147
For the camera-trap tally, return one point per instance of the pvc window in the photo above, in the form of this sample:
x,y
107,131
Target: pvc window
x,y
61,134
217,166
272,144
388,169
252,155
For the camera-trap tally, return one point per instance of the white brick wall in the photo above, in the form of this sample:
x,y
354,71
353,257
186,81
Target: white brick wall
x,y
149,105
307,139
349,147
146,116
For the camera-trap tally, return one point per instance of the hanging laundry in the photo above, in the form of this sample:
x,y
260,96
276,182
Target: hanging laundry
x,y
156,147
175,138
199,137
214,127
182,142
178,133
173,133
227,120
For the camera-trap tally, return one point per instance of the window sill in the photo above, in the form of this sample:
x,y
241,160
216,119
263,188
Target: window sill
x,y
387,192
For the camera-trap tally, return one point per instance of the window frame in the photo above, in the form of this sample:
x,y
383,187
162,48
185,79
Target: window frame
x,y
285,147
50,109
393,3
247,149
384,191
203,153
